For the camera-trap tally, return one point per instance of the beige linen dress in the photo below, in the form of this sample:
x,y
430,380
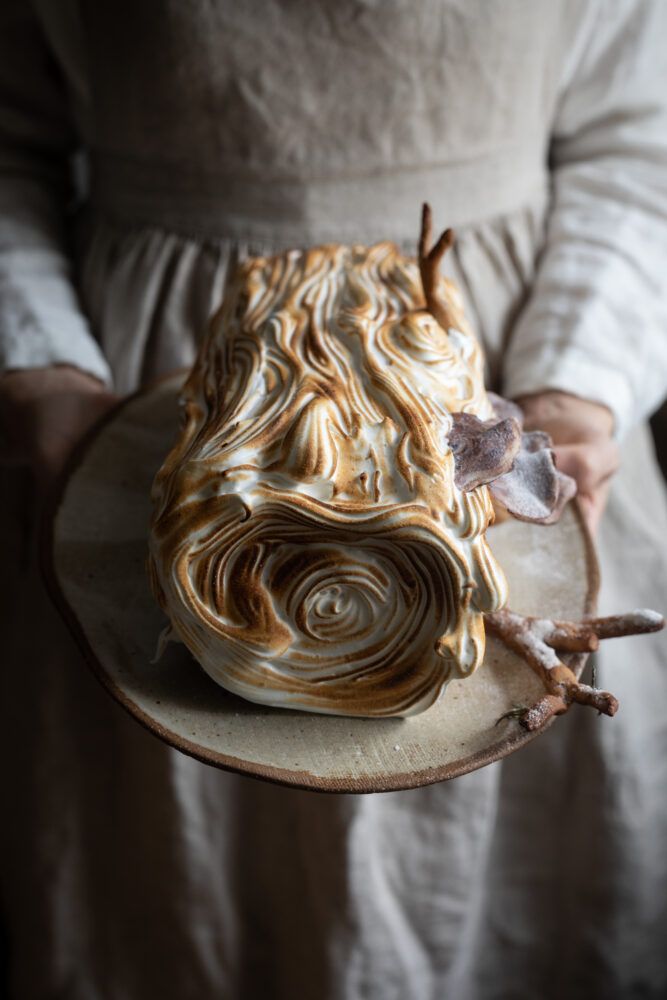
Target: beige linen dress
x,y
214,129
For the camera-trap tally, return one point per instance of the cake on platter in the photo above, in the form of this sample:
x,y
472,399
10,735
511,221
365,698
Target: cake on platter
x,y
319,529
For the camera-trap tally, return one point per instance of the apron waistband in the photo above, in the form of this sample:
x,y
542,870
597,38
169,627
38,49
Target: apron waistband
x,y
298,212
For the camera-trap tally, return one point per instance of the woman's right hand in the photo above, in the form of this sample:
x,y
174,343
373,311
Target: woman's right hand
x,y
44,412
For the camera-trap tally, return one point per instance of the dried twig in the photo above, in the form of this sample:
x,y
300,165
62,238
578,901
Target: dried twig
x,y
516,712
537,639
429,265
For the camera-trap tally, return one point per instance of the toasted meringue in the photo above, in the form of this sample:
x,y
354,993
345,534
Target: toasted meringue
x,y
309,541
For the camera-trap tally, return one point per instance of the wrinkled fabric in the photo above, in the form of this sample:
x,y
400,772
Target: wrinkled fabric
x,y
220,130
298,123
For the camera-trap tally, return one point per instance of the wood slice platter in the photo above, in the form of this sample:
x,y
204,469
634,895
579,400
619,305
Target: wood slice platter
x,y
94,560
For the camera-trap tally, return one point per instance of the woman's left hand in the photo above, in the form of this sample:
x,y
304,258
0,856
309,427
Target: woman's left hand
x,y
583,444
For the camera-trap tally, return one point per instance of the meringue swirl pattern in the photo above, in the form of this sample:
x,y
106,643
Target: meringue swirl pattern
x,y
308,540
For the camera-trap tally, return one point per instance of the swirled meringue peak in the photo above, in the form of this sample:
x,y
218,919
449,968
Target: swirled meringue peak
x,y
309,541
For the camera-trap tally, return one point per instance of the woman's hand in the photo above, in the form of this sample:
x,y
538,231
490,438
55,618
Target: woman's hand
x,y
582,434
44,412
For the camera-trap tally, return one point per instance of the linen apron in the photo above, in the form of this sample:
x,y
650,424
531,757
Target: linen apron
x,y
135,872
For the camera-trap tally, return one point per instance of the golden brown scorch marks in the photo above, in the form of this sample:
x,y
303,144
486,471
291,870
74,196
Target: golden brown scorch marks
x,y
308,541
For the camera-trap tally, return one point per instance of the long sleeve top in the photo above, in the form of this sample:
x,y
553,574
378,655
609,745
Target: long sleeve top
x,y
212,129
560,109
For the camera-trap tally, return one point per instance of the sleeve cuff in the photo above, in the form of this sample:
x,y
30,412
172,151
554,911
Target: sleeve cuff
x,y
574,372
33,351
38,338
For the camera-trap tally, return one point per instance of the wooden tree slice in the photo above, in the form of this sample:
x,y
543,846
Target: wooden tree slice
x,y
94,560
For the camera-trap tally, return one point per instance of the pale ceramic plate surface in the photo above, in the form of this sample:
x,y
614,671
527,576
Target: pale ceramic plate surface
x,y
95,550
